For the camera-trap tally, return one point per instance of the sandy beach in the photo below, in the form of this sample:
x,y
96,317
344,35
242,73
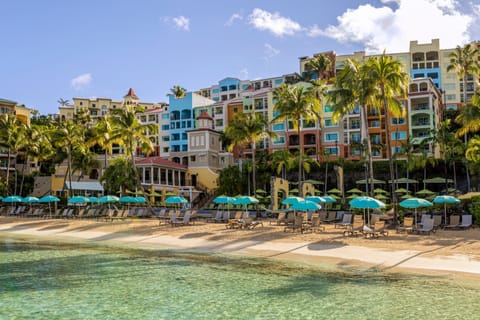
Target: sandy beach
x,y
444,252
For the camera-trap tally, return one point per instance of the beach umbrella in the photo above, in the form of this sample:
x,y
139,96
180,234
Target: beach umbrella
x,y
93,200
469,195
414,203
46,199
140,200
381,197
445,200
329,199
109,199
176,200
245,200
30,199
334,196
334,190
295,190
292,200
49,199
223,199
352,196
306,205
316,199
424,192
127,199
12,199
402,190
437,180
260,191
354,190
313,181
375,181
368,203
78,200
379,190
404,181
406,196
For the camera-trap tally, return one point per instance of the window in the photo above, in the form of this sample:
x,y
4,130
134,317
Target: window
x,y
356,137
165,116
165,127
329,123
330,137
398,120
451,97
279,140
433,75
355,124
401,135
375,138
375,124
332,150
396,150
279,127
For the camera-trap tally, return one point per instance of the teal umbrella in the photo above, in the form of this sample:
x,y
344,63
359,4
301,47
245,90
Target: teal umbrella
x,y
368,203
46,199
445,200
30,199
414,203
12,199
140,199
78,200
246,200
329,199
127,199
93,200
176,200
109,199
292,200
306,205
316,199
224,199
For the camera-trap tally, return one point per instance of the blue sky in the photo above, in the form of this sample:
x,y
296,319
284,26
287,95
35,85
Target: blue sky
x,y
55,49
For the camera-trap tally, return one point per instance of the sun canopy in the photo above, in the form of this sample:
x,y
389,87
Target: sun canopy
x,y
85,185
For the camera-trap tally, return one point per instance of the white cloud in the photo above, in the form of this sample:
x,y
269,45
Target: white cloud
x,y
82,81
182,23
179,22
233,17
270,52
380,28
273,22
243,73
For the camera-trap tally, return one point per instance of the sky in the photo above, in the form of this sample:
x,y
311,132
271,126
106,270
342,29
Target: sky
x,y
54,49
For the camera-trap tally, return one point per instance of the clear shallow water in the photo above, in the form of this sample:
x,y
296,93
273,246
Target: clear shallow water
x,y
51,280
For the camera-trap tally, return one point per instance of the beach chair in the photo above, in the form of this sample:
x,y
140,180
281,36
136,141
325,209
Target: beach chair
x,y
346,221
314,226
454,222
378,229
437,221
110,215
297,224
249,223
407,225
236,222
356,228
427,226
218,217
183,222
331,217
466,221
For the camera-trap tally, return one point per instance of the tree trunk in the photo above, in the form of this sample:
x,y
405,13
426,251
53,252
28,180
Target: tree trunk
x,y
299,156
389,156
254,169
69,164
23,175
369,148
8,171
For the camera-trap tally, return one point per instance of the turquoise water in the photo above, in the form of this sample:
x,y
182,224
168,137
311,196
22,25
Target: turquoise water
x,y
80,280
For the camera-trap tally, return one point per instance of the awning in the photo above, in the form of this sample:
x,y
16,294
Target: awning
x,y
85,185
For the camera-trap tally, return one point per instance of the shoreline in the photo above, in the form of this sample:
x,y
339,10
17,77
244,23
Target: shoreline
x,y
458,257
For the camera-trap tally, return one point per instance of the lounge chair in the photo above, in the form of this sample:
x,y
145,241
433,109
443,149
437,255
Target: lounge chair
x,y
297,224
249,223
218,217
437,221
183,222
454,222
331,217
236,222
466,221
314,226
427,226
407,225
378,229
355,229
346,221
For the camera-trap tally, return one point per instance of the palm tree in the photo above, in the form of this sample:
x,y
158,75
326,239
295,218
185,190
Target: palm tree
x,y
63,102
178,92
102,136
296,103
469,117
321,65
320,90
67,137
473,150
354,87
130,133
282,162
11,137
464,61
248,128
120,175
388,76
446,141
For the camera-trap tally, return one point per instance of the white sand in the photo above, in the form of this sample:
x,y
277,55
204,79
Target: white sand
x,y
198,239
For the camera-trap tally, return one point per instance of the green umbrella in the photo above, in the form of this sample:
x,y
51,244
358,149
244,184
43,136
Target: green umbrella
x,y
354,190
381,196
313,181
334,190
379,190
424,192
437,180
261,191
352,196
402,190
375,181
404,181
294,190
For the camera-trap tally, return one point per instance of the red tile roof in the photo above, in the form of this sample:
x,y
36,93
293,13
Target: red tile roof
x,y
204,115
131,93
160,162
